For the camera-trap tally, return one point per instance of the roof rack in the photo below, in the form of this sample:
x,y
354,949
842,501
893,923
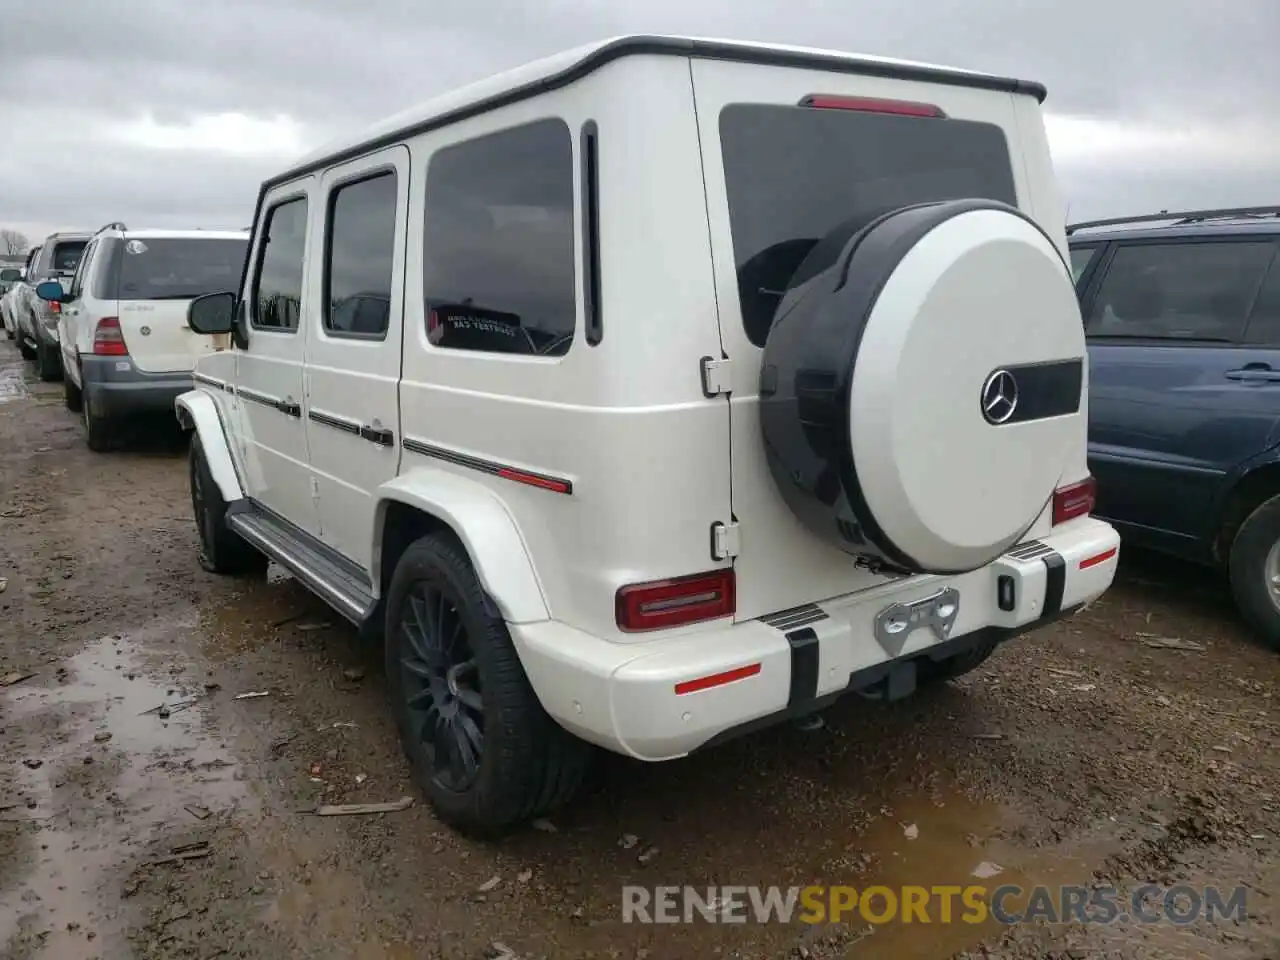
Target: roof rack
x,y
1180,218
113,225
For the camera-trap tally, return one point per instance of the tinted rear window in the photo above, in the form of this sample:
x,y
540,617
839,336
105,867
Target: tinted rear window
x,y
796,174
66,255
177,268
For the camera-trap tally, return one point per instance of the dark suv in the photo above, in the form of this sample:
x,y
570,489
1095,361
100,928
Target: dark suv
x,y
1182,315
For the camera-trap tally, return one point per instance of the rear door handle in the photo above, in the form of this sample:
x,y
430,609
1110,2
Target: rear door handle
x,y
1255,372
378,435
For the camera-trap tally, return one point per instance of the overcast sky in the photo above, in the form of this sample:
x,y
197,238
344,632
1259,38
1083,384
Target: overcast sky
x,y
170,112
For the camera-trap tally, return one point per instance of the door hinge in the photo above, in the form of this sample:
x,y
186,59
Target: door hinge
x,y
715,376
726,540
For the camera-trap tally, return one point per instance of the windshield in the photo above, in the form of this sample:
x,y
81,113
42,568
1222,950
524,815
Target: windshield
x,y
66,255
797,175
178,268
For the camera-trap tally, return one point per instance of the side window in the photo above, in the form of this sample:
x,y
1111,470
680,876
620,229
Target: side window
x,y
103,275
277,285
1179,291
360,250
33,259
498,272
77,281
1264,321
1081,257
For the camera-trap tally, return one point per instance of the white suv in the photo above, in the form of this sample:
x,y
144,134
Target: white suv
x,y
656,392
121,322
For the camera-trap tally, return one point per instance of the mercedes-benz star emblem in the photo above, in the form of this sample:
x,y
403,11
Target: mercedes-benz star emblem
x,y
145,331
999,397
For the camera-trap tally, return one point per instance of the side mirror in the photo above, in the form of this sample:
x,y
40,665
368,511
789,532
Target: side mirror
x,y
212,313
10,275
50,290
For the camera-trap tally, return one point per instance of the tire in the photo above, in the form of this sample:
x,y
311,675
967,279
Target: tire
x,y
867,318
98,432
48,363
1247,567
71,395
933,672
27,352
221,549
9,333
524,764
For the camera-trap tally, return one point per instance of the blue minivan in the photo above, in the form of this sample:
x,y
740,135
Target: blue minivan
x,y
1182,316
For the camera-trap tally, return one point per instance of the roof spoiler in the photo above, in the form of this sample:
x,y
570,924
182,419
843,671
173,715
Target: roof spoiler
x,y
1179,218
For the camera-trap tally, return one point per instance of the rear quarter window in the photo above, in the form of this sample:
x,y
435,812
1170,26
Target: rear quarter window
x,y
1081,257
499,270
795,175
66,255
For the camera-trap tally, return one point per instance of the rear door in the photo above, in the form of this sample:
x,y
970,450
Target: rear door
x,y
353,346
155,279
1180,391
780,176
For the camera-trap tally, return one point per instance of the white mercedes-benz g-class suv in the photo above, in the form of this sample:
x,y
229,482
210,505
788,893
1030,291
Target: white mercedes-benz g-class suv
x,y
656,392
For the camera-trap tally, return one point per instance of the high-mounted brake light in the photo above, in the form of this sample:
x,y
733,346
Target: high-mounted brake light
x,y
1075,500
108,340
672,603
901,108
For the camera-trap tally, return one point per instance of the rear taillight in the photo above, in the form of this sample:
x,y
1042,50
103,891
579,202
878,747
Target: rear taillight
x,y
108,341
901,108
55,306
1074,501
671,603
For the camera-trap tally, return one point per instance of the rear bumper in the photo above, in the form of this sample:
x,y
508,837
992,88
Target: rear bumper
x,y
117,388
622,696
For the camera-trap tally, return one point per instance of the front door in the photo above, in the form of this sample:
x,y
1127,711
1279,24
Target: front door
x,y
353,346
1183,385
269,394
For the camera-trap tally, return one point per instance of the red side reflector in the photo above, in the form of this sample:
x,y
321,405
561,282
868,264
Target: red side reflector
x,y
1074,501
672,603
1098,558
108,340
535,480
901,108
717,679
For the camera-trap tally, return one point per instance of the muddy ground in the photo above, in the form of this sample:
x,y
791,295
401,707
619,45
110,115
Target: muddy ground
x,y
1079,755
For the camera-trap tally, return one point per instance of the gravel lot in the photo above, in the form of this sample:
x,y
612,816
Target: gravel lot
x,y
1080,754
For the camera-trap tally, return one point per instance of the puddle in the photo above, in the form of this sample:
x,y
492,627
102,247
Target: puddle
x,y
954,844
12,384
111,775
886,834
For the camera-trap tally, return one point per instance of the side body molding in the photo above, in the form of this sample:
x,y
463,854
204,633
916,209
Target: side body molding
x,y
483,524
197,411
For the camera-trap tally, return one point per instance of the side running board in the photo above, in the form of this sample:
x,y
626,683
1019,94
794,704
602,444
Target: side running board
x,y
334,578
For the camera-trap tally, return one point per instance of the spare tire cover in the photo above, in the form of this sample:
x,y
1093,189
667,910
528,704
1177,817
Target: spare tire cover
x,y
921,396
